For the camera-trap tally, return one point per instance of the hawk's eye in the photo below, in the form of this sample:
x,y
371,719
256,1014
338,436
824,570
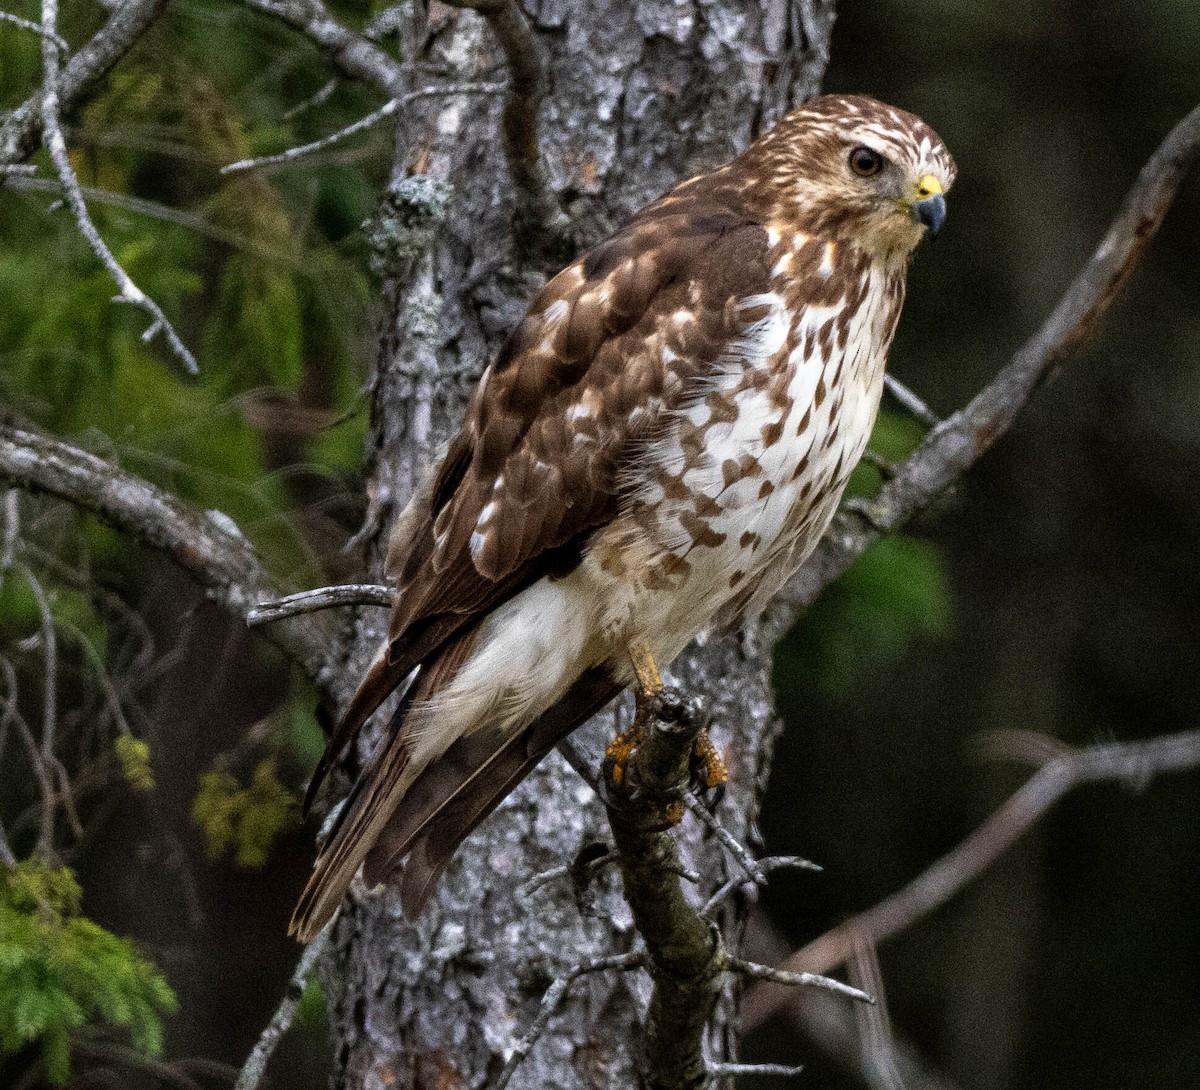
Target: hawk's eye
x,y
865,162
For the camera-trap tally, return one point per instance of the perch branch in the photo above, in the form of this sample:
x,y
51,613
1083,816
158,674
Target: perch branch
x,y
206,544
255,1066
685,953
128,291
1131,762
955,444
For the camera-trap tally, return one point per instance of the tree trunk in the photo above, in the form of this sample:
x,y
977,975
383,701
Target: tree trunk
x,y
638,96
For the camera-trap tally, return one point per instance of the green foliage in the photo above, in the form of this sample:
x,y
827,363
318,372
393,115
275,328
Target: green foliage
x,y
894,593
134,757
60,971
246,819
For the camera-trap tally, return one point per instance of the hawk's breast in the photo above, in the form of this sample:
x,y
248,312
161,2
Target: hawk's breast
x,y
738,486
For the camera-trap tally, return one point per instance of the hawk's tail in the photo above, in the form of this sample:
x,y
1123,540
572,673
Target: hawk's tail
x,y
396,810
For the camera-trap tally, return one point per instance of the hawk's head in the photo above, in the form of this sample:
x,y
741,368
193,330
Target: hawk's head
x,y
849,167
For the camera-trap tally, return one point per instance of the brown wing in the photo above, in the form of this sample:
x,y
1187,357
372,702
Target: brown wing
x,y
609,343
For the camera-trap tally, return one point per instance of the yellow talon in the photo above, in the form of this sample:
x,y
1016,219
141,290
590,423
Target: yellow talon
x,y
715,772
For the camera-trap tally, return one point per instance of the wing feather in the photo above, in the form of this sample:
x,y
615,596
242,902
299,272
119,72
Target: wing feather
x,y
553,427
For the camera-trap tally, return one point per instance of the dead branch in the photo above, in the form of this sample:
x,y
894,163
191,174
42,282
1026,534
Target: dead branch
x,y
166,214
552,1000
206,544
36,28
910,402
21,132
52,135
1130,762
255,1066
351,54
312,601
361,125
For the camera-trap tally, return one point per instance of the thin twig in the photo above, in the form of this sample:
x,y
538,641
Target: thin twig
x,y
551,1001
729,1071
12,527
362,125
49,650
765,866
1131,762
878,1042
795,980
910,402
256,1063
312,601
46,792
127,290
6,853
26,24
318,99
739,851
21,130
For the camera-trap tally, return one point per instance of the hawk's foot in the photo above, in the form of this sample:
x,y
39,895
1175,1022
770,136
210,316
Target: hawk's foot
x,y
708,771
621,749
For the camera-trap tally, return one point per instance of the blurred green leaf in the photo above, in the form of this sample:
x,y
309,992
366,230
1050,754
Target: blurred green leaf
x,y
60,971
895,592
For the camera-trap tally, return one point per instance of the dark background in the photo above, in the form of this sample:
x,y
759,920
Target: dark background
x,y
1056,591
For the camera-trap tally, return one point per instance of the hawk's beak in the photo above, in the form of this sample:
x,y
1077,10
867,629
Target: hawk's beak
x,y
929,206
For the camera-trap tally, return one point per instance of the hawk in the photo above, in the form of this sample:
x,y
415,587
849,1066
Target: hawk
x,y
657,447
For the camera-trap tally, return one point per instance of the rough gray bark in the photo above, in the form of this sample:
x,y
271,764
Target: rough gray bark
x,y
637,97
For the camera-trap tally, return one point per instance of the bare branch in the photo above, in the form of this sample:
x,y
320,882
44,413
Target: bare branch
x,y
1131,762
12,527
311,601
952,447
794,979
255,1067
128,291
739,851
764,867
21,132
25,24
7,858
539,221
350,53
362,125
551,1001
910,402
322,96
206,544
729,1071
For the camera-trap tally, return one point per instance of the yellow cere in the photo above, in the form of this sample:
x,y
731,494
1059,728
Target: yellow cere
x,y
928,186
